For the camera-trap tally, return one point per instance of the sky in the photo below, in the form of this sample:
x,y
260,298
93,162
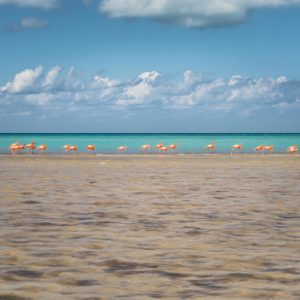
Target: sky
x,y
149,66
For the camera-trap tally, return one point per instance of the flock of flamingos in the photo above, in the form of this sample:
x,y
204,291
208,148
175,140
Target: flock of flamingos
x,y
16,148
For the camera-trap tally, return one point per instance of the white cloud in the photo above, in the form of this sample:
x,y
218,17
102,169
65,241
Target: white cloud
x,y
142,88
34,89
102,81
44,4
190,13
40,99
149,76
23,81
51,76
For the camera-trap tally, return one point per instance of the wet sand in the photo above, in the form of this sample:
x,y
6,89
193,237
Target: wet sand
x,y
149,227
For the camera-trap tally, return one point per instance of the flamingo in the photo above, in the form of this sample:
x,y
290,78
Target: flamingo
x,y
73,148
42,148
292,150
30,146
236,147
121,149
90,148
269,148
145,148
173,147
260,148
22,147
66,148
211,147
15,148
158,146
164,148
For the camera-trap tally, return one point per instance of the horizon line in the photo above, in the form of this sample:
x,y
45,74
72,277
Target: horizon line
x,y
149,132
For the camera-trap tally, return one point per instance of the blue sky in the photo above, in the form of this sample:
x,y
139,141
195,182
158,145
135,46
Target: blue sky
x,y
149,66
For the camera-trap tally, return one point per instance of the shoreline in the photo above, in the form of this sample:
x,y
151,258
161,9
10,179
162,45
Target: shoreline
x,y
135,155
150,160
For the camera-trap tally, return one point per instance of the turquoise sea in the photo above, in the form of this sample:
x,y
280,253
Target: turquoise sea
x,y
187,143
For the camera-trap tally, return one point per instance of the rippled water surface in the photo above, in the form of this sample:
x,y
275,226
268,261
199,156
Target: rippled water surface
x,y
186,142
173,227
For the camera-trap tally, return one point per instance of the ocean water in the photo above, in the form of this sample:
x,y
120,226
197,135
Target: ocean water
x,y
187,143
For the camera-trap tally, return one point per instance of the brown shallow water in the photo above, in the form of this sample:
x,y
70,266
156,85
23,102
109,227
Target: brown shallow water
x,y
120,227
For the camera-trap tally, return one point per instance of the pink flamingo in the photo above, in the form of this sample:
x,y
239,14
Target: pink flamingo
x,y
121,149
236,147
42,148
73,148
22,147
269,148
173,147
164,149
211,147
292,150
30,146
15,148
260,148
145,148
66,148
90,148
158,146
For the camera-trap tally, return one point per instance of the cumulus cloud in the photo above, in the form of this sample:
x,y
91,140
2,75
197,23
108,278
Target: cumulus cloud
x,y
23,82
59,90
51,76
141,88
44,4
190,13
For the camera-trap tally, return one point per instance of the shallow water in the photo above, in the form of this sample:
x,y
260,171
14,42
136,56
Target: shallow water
x,y
186,142
203,227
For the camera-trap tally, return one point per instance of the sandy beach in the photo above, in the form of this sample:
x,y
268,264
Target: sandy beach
x,y
149,227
